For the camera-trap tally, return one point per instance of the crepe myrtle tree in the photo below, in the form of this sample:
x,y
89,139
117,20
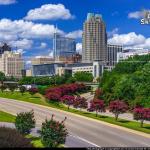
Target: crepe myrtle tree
x,y
97,105
68,100
53,133
80,102
118,107
141,114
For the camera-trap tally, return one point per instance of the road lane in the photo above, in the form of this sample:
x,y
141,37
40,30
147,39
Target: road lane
x,y
92,131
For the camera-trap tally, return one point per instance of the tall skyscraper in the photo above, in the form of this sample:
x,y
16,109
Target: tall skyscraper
x,y
94,44
63,46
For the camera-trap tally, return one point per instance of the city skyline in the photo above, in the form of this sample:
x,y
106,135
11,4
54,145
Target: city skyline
x,y
25,27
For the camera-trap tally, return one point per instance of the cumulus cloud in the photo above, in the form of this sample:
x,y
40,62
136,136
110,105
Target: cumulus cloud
x,y
7,2
137,14
130,40
75,34
12,30
49,12
79,48
22,44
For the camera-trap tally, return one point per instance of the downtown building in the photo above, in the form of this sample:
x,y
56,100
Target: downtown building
x,y
11,64
63,47
112,53
94,39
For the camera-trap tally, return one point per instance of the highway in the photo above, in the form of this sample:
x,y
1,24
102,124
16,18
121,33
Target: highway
x,y
87,132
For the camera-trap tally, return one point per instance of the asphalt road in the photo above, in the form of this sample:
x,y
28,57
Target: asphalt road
x,y
83,131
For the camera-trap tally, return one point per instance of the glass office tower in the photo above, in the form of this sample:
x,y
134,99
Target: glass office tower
x,y
63,46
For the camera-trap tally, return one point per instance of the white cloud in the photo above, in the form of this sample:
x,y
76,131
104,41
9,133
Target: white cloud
x,y
20,51
22,44
12,30
7,2
49,12
137,14
79,48
130,40
75,34
43,45
114,31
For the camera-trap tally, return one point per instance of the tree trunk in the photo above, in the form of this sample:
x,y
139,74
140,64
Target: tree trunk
x,y
96,113
68,107
116,116
142,121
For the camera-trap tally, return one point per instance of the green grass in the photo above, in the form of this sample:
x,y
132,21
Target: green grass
x,y
38,99
6,117
36,141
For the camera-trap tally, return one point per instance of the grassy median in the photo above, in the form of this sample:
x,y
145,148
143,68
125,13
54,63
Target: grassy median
x,y
38,99
6,117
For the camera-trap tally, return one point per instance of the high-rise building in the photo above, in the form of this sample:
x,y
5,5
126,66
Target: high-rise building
x,y
94,44
11,64
63,46
112,51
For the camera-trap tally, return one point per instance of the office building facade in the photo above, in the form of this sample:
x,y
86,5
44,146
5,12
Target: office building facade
x,y
112,51
94,40
11,64
63,46
41,60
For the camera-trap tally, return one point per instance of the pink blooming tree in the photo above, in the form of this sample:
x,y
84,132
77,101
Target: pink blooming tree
x,y
80,102
97,105
118,107
68,100
141,114
53,96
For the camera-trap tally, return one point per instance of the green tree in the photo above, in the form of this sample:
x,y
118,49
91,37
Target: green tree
x,y
83,76
12,87
22,89
25,122
3,87
2,77
53,133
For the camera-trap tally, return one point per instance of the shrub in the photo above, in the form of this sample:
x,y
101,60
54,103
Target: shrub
x,y
68,100
53,133
22,89
118,107
10,138
141,114
12,87
80,102
3,87
97,105
33,91
25,122
53,96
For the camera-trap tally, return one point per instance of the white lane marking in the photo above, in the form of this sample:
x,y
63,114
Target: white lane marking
x,y
84,140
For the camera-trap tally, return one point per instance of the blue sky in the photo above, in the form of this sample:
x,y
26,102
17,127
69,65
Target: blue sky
x,y
29,24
